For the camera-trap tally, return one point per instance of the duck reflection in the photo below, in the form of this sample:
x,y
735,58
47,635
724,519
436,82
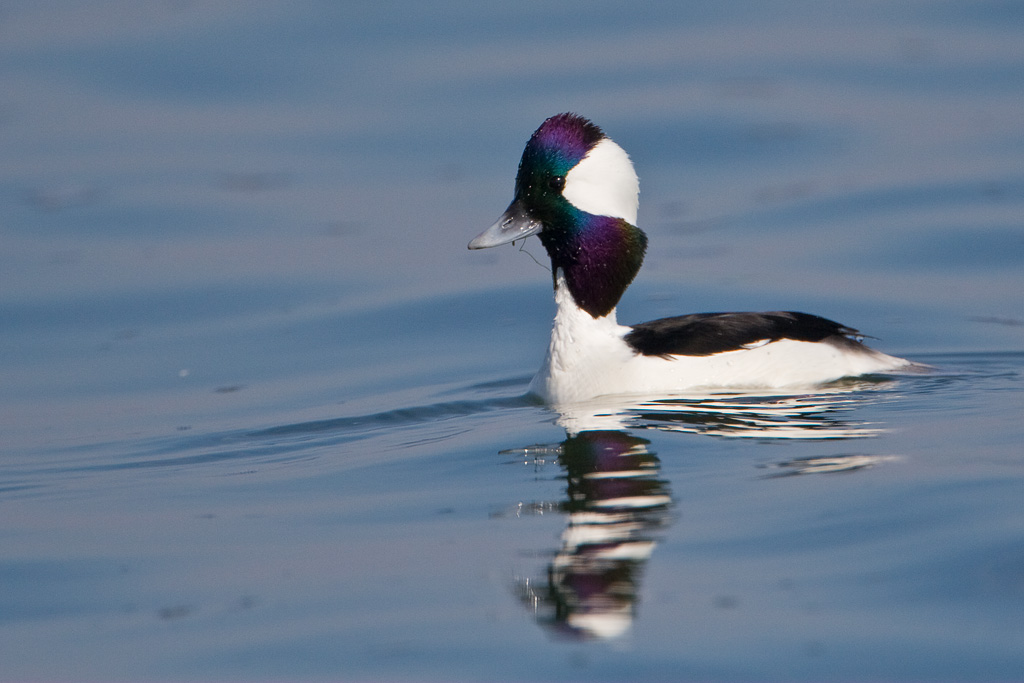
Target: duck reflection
x,y
819,415
616,501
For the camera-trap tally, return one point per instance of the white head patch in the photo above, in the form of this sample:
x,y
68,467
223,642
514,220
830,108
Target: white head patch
x,y
604,183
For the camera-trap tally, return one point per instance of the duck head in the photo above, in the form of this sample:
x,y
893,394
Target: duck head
x,y
577,191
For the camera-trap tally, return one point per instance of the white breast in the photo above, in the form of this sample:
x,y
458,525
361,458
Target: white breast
x,y
585,355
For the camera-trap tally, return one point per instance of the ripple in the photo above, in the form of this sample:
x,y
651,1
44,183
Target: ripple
x,y
281,443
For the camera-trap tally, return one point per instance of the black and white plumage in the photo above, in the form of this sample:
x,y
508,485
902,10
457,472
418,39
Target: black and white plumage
x,y
705,334
577,191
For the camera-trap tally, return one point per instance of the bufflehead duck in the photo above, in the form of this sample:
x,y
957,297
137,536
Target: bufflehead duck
x,y
577,191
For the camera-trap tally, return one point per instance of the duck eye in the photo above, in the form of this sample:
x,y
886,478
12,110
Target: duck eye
x,y
557,183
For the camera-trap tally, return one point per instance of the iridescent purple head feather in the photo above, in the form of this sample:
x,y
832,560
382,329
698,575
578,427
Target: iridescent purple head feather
x,y
554,148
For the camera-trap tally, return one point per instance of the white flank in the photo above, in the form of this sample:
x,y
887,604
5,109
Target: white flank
x,y
587,357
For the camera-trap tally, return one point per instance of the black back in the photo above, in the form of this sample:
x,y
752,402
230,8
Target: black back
x,y
704,334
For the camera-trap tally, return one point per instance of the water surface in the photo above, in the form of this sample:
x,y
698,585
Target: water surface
x,y
263,414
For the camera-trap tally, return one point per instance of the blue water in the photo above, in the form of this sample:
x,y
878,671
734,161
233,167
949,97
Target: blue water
x,y
262,413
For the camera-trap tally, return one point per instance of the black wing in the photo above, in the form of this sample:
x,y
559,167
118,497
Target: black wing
x,y
704,334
